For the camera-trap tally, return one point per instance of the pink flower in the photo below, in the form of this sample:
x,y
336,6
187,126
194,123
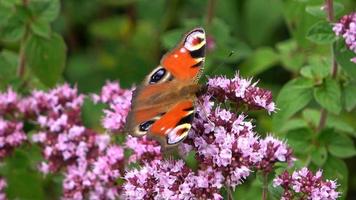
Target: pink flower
x,y
119,102
11,136
346,28
171,180
240,90
226,142
305,183
3,185
144,150
94,179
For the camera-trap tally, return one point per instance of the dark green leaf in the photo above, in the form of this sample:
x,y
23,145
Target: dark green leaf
x,y
321,33
294,96
5,14
350,96
300,139
338,145
328,95
8,67
46,57
13,30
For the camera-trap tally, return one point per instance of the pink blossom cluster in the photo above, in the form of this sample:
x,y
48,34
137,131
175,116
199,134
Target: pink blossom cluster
x,y
227,142
241,91
11,127
119,102
60,133
304,183
96,178
346,28
3,185
171,180
143,149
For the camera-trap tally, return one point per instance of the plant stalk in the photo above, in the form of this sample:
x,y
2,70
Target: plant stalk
x,y
329,8
265,186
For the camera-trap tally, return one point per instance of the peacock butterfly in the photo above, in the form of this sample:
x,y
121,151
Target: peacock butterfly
x,y
163,105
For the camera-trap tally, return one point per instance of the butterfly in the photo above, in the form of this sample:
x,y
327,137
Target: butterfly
x,y
163,105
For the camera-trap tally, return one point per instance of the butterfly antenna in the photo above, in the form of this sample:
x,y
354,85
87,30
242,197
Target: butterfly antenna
x,y
232,52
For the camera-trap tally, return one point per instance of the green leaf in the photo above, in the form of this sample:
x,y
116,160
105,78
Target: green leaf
x,y
313,118
13,30
341,146
300,139
319,155
41,28
261,60
321,33
290,54
46,57
338,145
317,69
5,14
343,57
8,67
50,10
293,124
328,95
24,182
294,96
350,96
319,11
336,169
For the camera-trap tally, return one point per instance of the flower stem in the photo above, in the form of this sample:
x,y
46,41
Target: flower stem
x,y
265,186
22,59
329,8
229,193
210,12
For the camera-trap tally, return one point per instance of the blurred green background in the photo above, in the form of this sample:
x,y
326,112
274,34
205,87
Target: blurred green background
x,y
125,39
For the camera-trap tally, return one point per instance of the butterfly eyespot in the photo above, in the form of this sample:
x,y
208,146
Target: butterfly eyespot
x,y
157,75
195,40
146,125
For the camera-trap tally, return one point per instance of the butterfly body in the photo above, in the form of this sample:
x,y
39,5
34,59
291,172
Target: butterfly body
x,y
163,105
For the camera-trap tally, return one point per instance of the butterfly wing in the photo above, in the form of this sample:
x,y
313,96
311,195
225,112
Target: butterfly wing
x,y
184,62
163,105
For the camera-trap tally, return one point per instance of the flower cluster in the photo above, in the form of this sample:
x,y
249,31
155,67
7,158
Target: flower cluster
x,y
305,184
11,129
60,133
95,179
346,28
227,142
241,91
171,180
143,149
119,101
